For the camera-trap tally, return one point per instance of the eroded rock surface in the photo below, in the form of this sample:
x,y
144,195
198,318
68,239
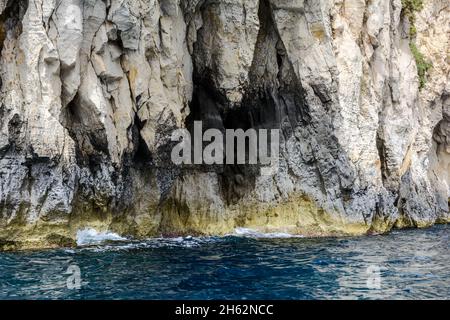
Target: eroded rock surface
x,y
91,91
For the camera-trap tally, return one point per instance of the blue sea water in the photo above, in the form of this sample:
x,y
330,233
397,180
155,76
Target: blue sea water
x,y
406,264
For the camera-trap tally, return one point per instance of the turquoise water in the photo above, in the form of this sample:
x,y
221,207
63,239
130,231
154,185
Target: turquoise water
x,y
403,264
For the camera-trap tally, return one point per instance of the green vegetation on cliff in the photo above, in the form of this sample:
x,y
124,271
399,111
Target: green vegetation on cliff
x,y
422,64
409,8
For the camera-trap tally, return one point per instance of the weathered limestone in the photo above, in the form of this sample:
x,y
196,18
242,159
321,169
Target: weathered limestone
x,y
92,89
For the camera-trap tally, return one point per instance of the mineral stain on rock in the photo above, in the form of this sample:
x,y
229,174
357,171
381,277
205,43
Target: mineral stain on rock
x,y
91,91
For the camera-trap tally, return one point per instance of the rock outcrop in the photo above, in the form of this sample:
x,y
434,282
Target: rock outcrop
x,y
91,91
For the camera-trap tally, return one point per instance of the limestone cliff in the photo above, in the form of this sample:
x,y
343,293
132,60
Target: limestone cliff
x,y
92,89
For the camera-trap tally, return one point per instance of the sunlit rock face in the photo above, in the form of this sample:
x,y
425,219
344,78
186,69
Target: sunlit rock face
x,y
91,91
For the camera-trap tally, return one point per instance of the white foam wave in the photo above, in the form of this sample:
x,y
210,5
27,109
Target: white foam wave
x,y
179,242
90,236
91,239
251,233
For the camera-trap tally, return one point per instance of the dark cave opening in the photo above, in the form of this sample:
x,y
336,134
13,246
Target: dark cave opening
x,y
11,19
11,27
272,99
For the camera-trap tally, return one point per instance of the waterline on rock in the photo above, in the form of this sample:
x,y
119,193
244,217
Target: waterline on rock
x,y
252,233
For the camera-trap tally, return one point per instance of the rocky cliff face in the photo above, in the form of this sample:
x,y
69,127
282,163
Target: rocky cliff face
x,y
92,89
